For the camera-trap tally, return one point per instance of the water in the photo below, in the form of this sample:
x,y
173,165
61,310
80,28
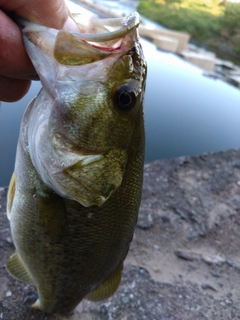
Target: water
x,y
10,118
186,113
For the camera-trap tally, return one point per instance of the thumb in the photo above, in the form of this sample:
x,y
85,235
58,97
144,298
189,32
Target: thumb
x,y
51,13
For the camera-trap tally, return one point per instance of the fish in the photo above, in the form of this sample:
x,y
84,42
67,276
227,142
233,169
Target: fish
x,y
75,192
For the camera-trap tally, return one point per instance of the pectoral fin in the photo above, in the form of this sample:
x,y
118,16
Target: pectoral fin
x,y
52,215
10,196
107,288
17,268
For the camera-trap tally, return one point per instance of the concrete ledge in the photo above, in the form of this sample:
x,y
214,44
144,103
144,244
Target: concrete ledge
x,y
94,6
181,37
204,61
235,80
166,43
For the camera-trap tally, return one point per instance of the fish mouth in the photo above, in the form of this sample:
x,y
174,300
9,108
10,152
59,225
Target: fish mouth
x,y
96,40
82,41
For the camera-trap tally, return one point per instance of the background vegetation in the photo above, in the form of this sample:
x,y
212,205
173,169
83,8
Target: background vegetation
x,y
214,22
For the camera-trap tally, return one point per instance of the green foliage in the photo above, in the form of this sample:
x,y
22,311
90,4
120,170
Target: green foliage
x,y
210,21
235,43
200,24
231,19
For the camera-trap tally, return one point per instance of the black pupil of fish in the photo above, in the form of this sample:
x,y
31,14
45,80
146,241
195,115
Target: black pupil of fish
x,y
124,98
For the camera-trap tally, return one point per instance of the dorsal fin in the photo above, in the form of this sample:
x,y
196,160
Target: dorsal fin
x,y
52,215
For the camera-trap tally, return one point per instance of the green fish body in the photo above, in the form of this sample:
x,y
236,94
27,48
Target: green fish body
x,y
75,192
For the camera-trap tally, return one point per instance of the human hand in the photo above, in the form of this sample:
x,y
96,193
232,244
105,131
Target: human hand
x,y
16,69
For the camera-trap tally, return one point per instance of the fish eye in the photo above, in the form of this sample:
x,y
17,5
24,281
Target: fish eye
x,y
124,98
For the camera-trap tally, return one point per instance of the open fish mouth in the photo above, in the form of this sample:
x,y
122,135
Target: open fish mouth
x,y
98,39
82,38
101,33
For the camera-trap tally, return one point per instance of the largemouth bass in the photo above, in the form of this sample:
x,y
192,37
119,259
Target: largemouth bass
x,y
75,192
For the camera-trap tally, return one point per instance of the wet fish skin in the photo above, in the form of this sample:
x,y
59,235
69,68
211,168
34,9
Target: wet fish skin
x,y
74,196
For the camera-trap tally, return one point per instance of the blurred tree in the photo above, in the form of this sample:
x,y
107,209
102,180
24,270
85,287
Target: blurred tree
x,y
230,21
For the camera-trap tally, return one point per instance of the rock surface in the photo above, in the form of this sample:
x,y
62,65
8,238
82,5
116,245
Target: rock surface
x,y
184,261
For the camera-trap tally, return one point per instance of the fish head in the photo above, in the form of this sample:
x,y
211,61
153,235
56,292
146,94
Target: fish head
x,y
93,89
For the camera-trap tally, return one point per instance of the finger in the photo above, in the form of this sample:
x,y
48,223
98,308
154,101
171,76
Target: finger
x,y
51,13
14,61
13,89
